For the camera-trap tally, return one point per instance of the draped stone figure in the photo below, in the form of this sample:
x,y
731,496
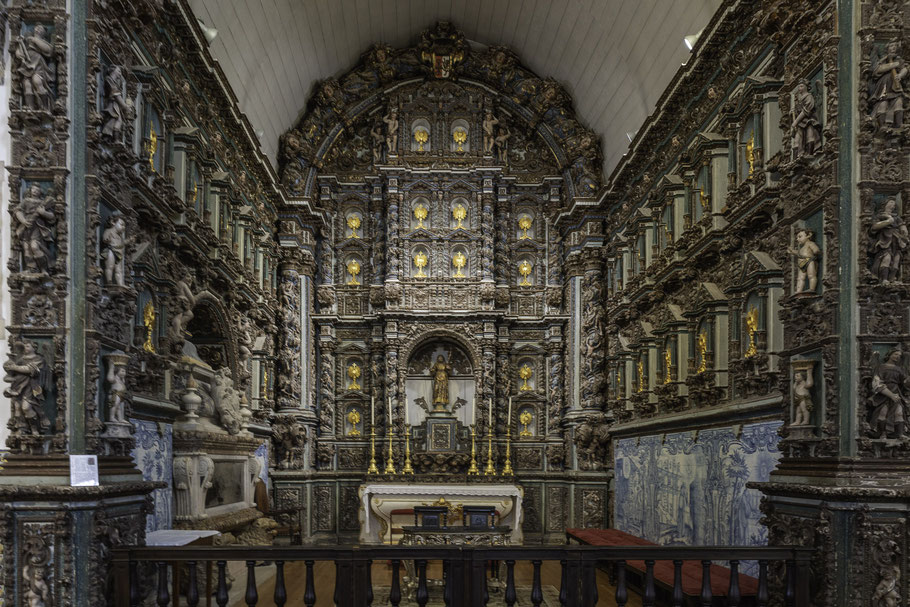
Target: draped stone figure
x,y
35,215
441,372
889,241
116,109
28,377
890,389
34,53
806,135
886,94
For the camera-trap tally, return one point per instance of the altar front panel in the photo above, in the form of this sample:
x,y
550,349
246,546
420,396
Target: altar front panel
x,y
379,500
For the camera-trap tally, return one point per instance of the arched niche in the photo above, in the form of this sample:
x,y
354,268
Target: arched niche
x,y
460,136
419,378
353,270
419,262
460,217
353,223
421,136
525,271
460,262
420,213
526,224
209,337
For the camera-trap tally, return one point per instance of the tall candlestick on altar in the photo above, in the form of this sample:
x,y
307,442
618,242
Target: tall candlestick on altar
x,y
490,416
509,416
372,411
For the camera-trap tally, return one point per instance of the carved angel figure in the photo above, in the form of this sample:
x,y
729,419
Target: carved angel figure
x,y
807,254
290,438
806,136
37,591
802,397
226,400
114,241
28,377
502,143
34,52
890,240
890,389
116,110
186,301
887,591
35,229
886,91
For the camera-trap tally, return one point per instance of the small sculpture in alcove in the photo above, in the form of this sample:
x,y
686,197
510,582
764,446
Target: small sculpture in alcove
x,y
354,224
35,52
440,371
353,269
116,393
116,109
524,269
524,224
354,373
525,373
459,260
802,395
36,228
889,241
502,143
353,419
420,261
886,89
807,254
525,419
29,378
459,213
751,330
114,241
890,390
806,135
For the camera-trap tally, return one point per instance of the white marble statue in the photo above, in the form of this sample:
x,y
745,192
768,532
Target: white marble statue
x,y
807,254
114,241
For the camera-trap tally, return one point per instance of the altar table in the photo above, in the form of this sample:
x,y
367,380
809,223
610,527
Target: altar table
x,y
379,500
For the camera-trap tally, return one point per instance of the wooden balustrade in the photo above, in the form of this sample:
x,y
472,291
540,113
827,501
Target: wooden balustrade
x,y
466,572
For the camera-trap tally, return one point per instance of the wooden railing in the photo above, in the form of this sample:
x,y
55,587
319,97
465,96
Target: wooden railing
x,y
465,568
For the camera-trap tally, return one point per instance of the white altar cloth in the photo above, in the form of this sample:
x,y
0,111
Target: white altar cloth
x,y
378,500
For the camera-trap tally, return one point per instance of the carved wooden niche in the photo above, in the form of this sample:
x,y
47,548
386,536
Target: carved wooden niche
x,y
708,329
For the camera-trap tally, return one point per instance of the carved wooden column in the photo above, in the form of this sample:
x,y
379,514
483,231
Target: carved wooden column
x,y
487,202
592,344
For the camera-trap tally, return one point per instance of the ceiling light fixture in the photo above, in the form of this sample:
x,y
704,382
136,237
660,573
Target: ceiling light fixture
x,y
691,39
210,33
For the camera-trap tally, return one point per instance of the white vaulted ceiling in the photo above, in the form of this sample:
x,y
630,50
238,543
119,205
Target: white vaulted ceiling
x,y
615,57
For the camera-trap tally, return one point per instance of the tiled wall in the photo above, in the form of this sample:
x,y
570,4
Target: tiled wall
x,y
683,488
154,455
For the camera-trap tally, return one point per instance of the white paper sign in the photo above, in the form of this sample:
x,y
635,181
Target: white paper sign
x,y
84,470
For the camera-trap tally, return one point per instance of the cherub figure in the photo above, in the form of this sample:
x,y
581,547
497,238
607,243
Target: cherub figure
x,y
807,254
489,132
114,241
391,136
802,397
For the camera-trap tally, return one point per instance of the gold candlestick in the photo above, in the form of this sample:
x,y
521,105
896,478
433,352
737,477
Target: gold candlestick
x,y
408,469
490,470
473,470
390,463
507,468
372,469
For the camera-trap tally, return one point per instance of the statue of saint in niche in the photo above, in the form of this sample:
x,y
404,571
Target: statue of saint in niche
x,y
440,371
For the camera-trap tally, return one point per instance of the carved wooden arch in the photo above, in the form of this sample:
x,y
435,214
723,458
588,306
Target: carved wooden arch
x,y
219,314
442,332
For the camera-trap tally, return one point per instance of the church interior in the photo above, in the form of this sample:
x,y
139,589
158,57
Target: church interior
x,y
454,303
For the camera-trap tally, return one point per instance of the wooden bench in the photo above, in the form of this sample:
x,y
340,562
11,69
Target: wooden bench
x,y
663,570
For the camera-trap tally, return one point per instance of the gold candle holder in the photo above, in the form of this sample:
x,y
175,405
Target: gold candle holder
x,y
507,468
390,463
372,469
490,470
473,470
408,469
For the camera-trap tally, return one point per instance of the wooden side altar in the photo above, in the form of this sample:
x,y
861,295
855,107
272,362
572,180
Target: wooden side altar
x,y
379,500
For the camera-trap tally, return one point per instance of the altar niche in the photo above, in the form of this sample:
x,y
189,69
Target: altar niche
x,y
439,389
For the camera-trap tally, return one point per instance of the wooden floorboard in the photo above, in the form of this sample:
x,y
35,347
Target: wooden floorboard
x,y
324,576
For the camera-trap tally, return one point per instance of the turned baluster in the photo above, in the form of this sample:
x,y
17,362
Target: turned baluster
x,y
677,584
761,598
309,594
536,590
192,593
647,599
733,595
510,596
281,593
622,593
395,594
221,593
164,597
790,584
252,596
423,594
706,584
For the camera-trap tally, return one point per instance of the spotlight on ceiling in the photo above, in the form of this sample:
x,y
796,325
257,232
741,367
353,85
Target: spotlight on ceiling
x,y
691,39
210,33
